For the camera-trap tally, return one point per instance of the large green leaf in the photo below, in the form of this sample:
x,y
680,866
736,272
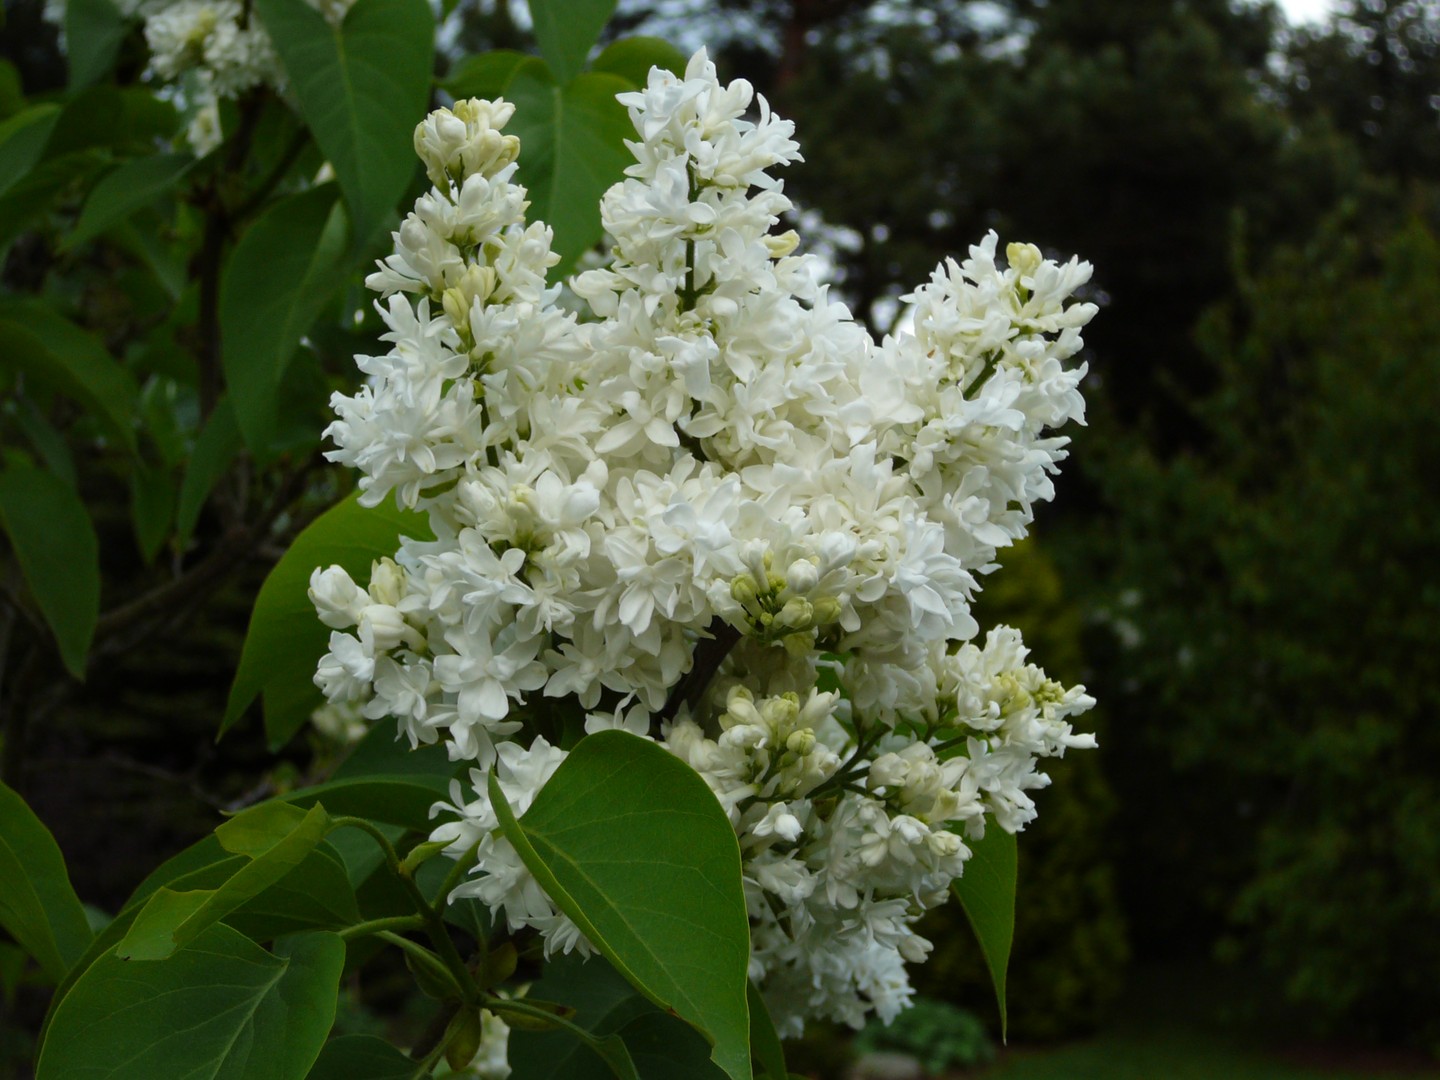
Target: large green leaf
x,y
328,899
274,838
286,640
566,31
37,905
222,1008
362,88
58,553
94,30
125,190
572,148
54,352
277,281
630,843
987,893
632,58
484,75
362,1057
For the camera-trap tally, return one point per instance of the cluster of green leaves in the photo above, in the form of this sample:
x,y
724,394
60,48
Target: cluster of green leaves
x,y
181,978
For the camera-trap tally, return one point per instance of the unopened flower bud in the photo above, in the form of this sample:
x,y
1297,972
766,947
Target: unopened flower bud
x,y
797,614
387,582
338,600
1024,259
825,610
782,244
888,771
801,742
744,590
780,712
802,576
387,627
477,283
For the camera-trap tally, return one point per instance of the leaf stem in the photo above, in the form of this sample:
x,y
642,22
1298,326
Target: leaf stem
x,y
375,926
364,825
429,913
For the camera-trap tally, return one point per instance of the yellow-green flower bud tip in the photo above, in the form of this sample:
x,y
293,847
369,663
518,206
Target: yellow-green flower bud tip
x,y
801,742
797,614
744,590
1024,259
782,244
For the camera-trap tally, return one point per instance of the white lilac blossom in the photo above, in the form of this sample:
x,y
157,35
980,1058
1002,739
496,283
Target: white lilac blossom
x,y
221,43
700,461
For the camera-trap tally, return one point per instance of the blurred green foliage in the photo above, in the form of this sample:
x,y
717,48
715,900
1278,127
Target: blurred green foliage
x,y
1281,622
938,1035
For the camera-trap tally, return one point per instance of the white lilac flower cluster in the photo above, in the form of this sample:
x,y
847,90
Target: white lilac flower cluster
x,y
711,511
220,43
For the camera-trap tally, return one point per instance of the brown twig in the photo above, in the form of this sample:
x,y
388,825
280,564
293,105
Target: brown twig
x,y
710,653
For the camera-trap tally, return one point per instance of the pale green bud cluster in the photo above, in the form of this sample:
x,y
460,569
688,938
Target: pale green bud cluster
x,y
778,612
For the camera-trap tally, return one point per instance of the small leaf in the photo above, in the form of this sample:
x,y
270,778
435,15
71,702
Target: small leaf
x,y
632,58
572,148
987,893
49,348
484,75
285,639
220,1007
274,837
215,449
94,30
361,1057
566,31
362,88
275,285
630,843
37,905
58,553
125,190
